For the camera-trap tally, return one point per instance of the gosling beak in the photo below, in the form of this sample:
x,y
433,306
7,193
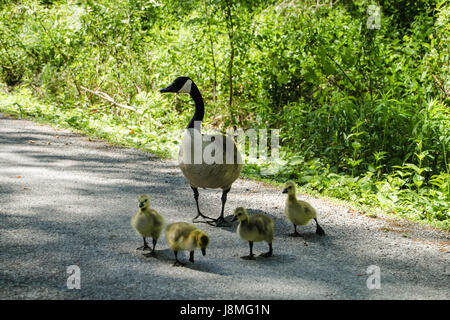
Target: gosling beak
x,y
141,204
204,252
285,190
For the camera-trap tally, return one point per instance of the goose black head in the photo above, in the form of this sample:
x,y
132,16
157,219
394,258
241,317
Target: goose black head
x,y
179,85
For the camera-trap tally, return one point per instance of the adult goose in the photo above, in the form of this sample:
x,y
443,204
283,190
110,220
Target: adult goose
x,y
207,161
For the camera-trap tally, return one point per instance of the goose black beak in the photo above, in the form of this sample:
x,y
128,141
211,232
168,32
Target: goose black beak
x,y
204,252
285,190
168,89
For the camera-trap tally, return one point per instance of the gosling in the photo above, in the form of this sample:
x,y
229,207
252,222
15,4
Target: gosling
x,y
254,228
185,236
147,223
299,212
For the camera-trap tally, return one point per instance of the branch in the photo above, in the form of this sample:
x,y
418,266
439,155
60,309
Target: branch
x,y
440,85
107,97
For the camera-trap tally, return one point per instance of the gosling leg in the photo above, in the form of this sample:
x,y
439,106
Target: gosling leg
x,y
319,229
191,256
295,234
267,254
220,221
145,246
152,253
177,262
199,214
251,256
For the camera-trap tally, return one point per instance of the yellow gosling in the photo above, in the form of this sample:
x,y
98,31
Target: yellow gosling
x,y
299,212
147,223
185,236
254,228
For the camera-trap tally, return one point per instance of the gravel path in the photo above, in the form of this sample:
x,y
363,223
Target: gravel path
x,y
67,200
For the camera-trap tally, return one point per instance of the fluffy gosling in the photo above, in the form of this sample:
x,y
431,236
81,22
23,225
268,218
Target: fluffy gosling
x,y
185,236
147,223
254,228
299,212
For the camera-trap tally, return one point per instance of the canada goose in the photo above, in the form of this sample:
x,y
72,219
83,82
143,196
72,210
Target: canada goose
x,y
299,212
207,161
185,236
254,228
147,223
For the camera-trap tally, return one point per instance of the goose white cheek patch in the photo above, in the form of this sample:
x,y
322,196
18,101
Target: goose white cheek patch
x,y
186,88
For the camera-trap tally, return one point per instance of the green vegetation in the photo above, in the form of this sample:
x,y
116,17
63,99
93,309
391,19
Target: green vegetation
x,y
363,112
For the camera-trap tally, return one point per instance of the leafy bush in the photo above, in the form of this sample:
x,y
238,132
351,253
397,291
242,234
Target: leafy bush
x,y
364,113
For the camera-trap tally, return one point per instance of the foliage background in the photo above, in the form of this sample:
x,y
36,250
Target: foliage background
x,y
364,113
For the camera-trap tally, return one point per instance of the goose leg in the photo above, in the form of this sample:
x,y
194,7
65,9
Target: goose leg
x,y
177,262
319,229
199,214
152,253
220,221
251,256
295,234
145,246
267,254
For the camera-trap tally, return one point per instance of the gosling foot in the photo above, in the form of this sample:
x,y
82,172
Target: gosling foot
x,y
266,255
178,264
150,254
295,234
320,231
143,248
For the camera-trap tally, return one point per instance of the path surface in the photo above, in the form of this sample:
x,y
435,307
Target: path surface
x,y
66,200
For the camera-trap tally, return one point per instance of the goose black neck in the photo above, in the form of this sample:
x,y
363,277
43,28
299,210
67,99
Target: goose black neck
x,y
199,107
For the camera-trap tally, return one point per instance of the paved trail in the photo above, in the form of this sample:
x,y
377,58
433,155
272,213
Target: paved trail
x,y
66,200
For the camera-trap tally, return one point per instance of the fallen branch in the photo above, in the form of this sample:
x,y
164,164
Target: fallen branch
x,y
440,85
108,98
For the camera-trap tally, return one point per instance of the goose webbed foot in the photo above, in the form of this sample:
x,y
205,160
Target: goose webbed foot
x,y
249,257
143,248
319,229
178,264
220,222
150,254
204,217
295,234
266,255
